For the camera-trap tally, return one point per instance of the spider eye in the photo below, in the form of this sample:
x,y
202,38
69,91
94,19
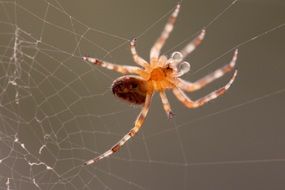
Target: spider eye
x,y
183,68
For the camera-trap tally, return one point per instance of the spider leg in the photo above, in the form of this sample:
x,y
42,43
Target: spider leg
x,y
190,47
139,60
190,87
166,105
182,97
155,50
124,69
138,123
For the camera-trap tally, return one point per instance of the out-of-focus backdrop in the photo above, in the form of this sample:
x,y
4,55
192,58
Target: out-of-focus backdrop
x,y
57,111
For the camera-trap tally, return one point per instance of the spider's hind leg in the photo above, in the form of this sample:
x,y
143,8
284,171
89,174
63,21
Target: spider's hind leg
x,y
138,123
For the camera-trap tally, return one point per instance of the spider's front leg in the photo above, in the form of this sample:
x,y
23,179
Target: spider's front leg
x,y
181,96
155,50
190,87
190,47
138,123
124,69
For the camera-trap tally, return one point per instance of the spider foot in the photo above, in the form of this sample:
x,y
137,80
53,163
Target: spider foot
x,y
92,60
84,58
94,160
170,115
104,155
133,42
89,162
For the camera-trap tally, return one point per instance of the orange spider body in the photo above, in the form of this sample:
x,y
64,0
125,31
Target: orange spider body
x,y
161,73
133,89
159,79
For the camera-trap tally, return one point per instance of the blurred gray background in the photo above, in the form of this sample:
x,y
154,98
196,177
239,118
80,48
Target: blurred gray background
x,y
58,111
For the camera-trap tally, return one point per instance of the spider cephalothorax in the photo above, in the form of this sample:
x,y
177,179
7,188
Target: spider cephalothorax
x,y
157,75
133,89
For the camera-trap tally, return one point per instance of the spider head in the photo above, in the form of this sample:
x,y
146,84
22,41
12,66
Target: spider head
x,y
176,63
130,88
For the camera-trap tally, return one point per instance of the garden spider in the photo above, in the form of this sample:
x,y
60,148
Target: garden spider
x,y
158,75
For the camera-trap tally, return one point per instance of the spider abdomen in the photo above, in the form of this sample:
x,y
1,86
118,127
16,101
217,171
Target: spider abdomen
x,y
130,88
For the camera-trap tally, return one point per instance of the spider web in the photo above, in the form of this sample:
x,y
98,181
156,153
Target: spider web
x,y
57,111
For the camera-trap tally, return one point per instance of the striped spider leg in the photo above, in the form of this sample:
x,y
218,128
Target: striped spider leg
x,y
123,69
190,87
138,123
155,50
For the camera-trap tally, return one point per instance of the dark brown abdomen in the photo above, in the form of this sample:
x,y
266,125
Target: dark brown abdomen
x,y
130,88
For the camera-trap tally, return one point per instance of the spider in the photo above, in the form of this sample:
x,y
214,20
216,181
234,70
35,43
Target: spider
x,y
157,75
